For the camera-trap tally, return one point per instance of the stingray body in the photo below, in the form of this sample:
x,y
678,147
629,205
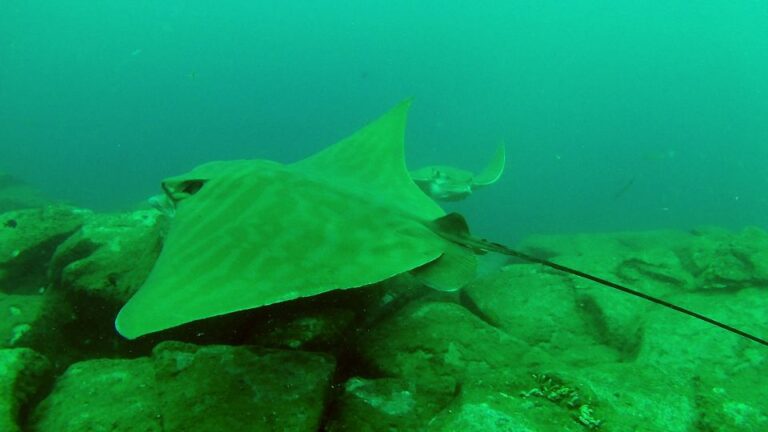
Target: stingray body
x,y
250,233
446,183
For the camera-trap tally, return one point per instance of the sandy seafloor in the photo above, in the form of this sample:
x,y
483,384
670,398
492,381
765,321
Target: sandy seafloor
x,y
521,349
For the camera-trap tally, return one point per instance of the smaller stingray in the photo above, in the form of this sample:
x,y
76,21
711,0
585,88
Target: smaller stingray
x,y
447,183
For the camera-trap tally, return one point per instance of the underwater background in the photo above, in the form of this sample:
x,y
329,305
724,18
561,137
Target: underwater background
x,y
635,136
617,115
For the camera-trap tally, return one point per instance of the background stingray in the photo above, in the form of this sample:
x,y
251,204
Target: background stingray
x,y
448,183
250,233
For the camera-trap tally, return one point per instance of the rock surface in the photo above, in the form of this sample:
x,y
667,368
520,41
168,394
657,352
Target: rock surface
x,y
110,256
217,388
368,405
96,395
184,387
437,339
22,373
28,239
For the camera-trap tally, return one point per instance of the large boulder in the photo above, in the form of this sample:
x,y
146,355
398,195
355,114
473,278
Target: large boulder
x,y
97,269
23,373
544,309
677,342
97,395
32,321
28,239
249,388
185,387
439,339
371,405
110,256
721,260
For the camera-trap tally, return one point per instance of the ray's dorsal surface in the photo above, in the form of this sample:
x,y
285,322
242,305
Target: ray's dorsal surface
x,y
251,233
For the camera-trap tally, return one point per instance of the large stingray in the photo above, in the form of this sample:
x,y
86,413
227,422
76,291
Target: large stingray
x,y
447,183
250,233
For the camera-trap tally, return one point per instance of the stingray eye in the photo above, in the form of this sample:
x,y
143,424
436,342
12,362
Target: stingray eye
x,y
180,190
191,187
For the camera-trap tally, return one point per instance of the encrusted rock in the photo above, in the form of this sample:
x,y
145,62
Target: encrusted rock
x,y
97,269
22,373
101,395
371,405
478,410
674,341
110,256
184,387
217,388
722,260
28,239
542,308
629,396
35,321
428,339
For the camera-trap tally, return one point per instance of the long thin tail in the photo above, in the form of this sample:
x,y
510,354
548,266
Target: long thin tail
x,y
453,228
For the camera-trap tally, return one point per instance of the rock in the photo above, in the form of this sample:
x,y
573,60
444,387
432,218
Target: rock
x,y
35,321
674,341
239,388
608,396
627,396
429,339
541,308
648,261
101,395
22,373
736,404
319,329
184,387
27,241
371,405
110,256
96,270
721,260
19,317
478,410
326,322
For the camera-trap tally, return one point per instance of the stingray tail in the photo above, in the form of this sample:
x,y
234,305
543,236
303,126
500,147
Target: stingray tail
x,y
454,220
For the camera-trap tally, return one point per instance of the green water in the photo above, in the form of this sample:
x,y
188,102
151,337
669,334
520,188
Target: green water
x,y
102,100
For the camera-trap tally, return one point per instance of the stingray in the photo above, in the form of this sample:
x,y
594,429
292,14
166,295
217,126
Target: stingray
x,y
446,183
250,233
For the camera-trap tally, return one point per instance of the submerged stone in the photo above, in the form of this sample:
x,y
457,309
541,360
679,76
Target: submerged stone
x,y
429,339
184,387
22,373
216,388
100,395
371,405
28,239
